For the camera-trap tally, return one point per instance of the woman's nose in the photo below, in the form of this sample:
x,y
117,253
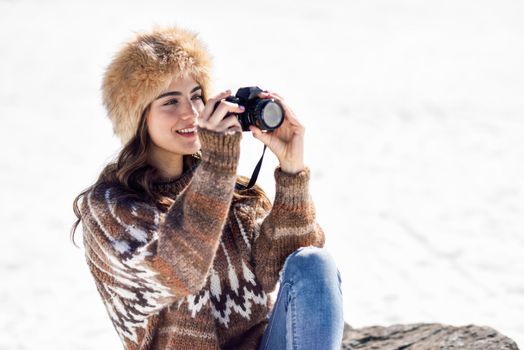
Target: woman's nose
x,y
190,111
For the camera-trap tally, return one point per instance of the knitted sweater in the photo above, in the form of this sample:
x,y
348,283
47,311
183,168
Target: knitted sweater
x,y
197,274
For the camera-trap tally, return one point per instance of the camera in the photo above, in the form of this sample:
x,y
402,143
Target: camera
x,y
264,113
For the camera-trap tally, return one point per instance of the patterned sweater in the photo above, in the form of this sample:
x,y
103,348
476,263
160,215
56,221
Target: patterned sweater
x,y
198,274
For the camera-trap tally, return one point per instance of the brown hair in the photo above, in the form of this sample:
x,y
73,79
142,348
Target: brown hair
x,y
131,171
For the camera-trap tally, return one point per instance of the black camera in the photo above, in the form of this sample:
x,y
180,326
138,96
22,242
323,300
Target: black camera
x,y
264,113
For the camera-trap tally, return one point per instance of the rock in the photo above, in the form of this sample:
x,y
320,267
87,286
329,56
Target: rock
x,y
425,336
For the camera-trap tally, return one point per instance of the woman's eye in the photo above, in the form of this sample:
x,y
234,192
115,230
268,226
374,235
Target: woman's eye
x,y
197,97
171,102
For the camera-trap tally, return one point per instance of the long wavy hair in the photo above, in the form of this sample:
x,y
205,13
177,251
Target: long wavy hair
x,y
132,171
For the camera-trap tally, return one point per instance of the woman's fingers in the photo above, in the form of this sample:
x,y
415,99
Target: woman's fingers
x,y
266,94
223,108
210,104
276,95
229,123
213,116
262,136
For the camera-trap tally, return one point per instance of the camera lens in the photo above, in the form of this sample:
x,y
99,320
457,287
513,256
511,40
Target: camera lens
x,y
272,114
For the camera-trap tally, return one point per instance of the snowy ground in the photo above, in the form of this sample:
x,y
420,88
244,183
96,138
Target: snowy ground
x,y
415,124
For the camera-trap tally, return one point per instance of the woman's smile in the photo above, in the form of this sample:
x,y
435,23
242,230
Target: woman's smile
x,y
187,132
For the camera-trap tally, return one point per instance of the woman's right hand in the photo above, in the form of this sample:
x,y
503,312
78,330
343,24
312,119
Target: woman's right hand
x,y
215,119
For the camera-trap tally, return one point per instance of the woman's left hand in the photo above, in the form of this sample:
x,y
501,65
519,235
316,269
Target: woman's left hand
x,y
287,141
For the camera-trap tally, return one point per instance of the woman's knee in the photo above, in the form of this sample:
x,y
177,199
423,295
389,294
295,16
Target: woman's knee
x,y
311,262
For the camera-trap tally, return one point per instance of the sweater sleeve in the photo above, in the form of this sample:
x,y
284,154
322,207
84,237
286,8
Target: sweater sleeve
x,y
144,259
289,225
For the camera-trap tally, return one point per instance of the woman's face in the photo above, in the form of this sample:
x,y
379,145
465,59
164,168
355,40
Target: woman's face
x,y
172,118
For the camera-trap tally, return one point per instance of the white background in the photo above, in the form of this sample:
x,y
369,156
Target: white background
x,y
414,114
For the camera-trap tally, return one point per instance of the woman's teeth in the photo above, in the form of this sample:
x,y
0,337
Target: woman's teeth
x,y
186,131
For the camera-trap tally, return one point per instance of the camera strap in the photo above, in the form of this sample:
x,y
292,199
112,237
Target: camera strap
x,y
254,176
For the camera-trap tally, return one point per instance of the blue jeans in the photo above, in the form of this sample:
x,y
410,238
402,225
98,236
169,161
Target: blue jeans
x,y
308,311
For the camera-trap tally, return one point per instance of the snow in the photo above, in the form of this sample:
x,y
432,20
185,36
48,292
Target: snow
x,y
414,116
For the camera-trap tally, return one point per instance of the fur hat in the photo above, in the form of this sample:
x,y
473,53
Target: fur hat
x,y
144,68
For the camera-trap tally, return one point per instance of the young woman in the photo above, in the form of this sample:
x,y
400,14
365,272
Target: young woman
x,y
181,259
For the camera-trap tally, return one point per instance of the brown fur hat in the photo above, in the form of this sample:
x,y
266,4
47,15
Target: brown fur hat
x,y
144,68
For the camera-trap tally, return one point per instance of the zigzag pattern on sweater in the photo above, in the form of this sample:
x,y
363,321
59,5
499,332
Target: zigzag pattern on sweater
x,y
236,295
